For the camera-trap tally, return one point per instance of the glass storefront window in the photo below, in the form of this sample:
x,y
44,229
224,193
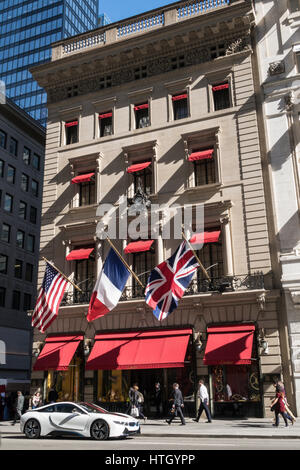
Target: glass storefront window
x,y
68,384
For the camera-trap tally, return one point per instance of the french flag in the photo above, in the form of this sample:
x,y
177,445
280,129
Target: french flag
x,y
109,287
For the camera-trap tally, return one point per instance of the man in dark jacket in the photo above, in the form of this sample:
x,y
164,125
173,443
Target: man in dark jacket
x,y
177,405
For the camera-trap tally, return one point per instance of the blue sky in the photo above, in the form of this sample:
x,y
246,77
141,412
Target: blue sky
x,y
120,9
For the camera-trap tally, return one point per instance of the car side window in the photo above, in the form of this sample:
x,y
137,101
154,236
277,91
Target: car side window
x,y
66,408
48,409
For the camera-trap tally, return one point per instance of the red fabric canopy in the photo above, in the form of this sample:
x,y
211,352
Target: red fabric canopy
x,y
141,106
83,178
179,97
205,237
137,247
138,167
57,352
201,155
81,253
229,344
71,124
2,388
105,115
224,86
139,350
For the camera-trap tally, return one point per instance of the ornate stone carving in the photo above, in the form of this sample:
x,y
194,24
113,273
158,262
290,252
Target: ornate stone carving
x,y
238,45
275,68
289,100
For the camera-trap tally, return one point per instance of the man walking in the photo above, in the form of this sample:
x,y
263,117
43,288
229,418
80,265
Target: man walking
x,y
18,407
177,405
204,399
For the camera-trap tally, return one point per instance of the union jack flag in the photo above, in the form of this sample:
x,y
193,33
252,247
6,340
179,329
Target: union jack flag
x,y
169,280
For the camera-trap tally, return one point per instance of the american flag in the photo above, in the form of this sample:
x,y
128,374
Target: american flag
x,y
169,280
49,298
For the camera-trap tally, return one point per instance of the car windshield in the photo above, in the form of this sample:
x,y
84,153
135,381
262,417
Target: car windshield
x,y
91,408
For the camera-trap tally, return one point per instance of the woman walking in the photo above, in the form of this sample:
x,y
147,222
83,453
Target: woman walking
x,y
36,400
278,405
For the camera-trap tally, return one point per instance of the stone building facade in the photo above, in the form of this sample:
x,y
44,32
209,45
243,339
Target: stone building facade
x,y
172,91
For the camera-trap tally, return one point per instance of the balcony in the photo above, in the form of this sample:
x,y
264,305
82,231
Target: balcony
x,y
239,283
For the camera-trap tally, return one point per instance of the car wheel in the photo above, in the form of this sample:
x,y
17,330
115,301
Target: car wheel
x,y
32,429
100,430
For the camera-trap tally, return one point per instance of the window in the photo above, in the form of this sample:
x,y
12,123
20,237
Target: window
x,y
18,268
20,239
36,161
205,170
8,203
3,139
30,243
13,147
3,264
22,210
33,215
2,296
85,275
105,124
27,302
26,156
11,173
24,182
142,118
180,106
1,168
5,233
34,188
294,6
211,255
29,272
16,300
143,263
143,180
71,129
221,96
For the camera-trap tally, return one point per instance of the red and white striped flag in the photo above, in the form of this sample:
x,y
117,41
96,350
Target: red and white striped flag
x,y
49,298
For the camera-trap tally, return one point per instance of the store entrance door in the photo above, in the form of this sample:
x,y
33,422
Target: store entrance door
x,y
146,380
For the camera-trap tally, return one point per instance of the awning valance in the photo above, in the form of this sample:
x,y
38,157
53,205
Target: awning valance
x,y
230,344
138,246
201,155
71,124
57,352
105,115
81,253
141,106
205,237
138,167
179,97
223,86
83,178
139,350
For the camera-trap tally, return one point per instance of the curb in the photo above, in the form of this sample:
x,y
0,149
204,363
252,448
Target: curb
x,y
219,436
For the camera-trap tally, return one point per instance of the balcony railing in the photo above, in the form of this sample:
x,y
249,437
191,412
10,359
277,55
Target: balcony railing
x,y
239,283
137,25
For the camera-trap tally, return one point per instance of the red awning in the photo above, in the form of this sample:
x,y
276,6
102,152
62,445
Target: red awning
x,y
201,155
229,344
141,106
57,352
179,97
223,86
82,253
137,247
139,350
83,178
71,124
205,237
138,167
105,115
2,388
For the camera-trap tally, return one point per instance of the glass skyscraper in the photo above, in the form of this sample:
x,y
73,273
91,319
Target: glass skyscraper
x,y
28,27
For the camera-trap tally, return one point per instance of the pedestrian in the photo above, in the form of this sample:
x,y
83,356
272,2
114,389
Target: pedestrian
x,y
157,398
140,403
36,400
53,395
19,404
133,401
204,400
278,405
177,406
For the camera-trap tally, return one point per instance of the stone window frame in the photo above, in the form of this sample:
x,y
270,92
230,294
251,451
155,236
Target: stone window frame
x,y
81,165
66,115
102,106
221,76
176,87
134,98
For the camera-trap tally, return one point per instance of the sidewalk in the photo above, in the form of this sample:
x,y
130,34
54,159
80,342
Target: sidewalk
x,y
255,428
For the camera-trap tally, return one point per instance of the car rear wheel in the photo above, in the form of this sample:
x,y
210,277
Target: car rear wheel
x,y
32,429
100,430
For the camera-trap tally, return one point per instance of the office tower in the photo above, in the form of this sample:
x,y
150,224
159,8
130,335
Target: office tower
x,y
103,20
27,30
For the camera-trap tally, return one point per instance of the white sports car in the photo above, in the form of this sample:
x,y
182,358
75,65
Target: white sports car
x,y
83,419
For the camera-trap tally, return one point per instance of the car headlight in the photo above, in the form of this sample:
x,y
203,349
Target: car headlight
x,y
119,422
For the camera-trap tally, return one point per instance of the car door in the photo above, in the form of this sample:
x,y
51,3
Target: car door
x,y
67,416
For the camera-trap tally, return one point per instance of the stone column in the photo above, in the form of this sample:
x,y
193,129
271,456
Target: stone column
x,y
227,246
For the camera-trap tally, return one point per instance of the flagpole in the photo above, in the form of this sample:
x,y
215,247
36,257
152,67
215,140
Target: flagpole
x,y
124,262
197,258
67,279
